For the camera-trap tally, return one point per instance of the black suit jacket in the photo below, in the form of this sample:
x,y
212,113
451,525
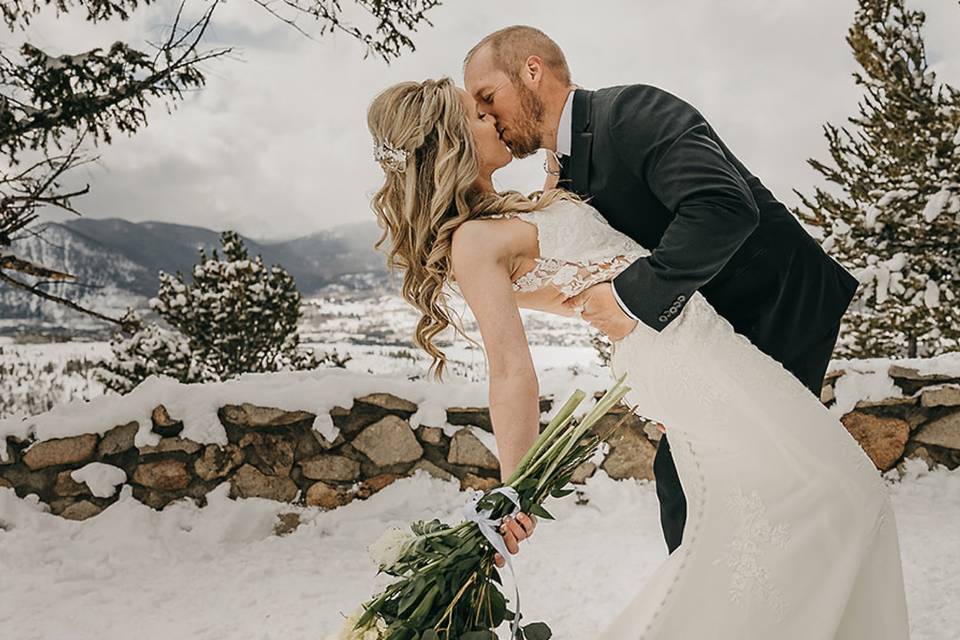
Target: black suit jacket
x,y
657,171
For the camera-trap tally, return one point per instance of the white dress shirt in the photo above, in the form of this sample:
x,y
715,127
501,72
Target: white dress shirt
x,y
564,144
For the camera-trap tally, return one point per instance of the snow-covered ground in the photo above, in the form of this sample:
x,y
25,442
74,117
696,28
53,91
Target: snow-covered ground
x,y
219,572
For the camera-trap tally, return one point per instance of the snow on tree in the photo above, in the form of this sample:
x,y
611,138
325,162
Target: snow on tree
x,y
236,316
62,101
894,218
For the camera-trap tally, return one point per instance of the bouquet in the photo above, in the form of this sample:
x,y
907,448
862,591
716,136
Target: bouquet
x,y
447,587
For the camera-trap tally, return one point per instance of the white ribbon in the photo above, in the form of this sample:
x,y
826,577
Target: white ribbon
x,y
488,527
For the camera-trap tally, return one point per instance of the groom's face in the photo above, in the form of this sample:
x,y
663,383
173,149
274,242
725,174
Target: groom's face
x,y
515,107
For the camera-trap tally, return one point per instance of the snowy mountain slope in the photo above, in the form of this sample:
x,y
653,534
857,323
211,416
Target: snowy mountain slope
x,y
117,261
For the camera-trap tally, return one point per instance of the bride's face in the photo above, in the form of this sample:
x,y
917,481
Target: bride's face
x,y
492,152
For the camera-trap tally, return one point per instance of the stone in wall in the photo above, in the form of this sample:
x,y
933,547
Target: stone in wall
x,y
369,409
26,482
827,394
631,454
217,462
467,449
942,432
168,474
895,404
74,509
330,467
432,469
251,416
910,380
57,451
941,396
163,423
389,441
271,453
430,435
169,445
248,482
374,484
118,440
66,486
480,416
326,496
583,471
386,402
883,438
473,481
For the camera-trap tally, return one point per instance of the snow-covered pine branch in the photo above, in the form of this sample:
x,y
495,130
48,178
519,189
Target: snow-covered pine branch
x,y
894,216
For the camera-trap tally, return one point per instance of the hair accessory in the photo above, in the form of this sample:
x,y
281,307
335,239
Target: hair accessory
x,y
390,157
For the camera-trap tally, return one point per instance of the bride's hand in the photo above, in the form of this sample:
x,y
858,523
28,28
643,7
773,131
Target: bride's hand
x,y
515,530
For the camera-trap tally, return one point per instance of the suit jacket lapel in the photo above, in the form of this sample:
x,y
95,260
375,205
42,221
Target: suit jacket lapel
x,y
579,160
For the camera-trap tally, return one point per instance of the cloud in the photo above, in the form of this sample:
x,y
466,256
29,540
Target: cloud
x,y
276,144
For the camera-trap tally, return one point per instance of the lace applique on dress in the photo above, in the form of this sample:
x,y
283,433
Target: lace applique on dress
x,y
597,243
570,277
746,550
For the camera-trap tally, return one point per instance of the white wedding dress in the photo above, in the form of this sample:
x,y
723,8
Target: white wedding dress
x,y
789,533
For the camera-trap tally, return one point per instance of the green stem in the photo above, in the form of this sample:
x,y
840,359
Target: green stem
x,y
603,405
559,419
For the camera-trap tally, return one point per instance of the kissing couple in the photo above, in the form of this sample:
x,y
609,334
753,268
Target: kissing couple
x,y
721,309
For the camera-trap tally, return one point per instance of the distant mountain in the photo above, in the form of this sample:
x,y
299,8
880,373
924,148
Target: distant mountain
x,y
117,262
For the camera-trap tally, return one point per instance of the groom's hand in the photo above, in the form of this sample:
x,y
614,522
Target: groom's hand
x,y
600,309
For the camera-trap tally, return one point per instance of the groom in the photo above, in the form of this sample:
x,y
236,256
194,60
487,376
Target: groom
x,y
658,172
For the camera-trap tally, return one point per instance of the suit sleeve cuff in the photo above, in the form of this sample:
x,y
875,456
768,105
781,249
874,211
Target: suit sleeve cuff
x,y
621,303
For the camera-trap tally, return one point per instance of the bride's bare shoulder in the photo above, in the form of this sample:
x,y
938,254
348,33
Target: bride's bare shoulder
x,y
491,237
485,241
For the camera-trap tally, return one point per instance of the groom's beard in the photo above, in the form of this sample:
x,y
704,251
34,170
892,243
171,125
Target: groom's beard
x,y
524,137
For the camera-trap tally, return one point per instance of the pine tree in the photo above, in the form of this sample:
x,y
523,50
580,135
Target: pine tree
x,y
896,219
51,104
236,316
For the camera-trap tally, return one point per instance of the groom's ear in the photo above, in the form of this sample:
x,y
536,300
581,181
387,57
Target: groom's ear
x,y
532,71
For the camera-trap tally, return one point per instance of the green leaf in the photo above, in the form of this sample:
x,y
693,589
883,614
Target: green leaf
x,y
424,607
410,599
537,631
430,634
498,607
559,493
479,635
537,510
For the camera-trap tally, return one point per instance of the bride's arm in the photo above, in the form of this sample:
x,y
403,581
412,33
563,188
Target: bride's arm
x,y
481,262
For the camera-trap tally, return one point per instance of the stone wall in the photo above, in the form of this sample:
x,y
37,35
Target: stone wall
x,y
276,454
922,422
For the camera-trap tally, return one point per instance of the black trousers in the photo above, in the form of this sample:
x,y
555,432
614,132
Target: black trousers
x,y
809,368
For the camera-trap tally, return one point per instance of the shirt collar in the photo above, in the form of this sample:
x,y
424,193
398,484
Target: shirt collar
x,y
565,128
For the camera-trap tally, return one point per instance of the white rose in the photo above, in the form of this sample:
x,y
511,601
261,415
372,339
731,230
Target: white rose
x,y
390,546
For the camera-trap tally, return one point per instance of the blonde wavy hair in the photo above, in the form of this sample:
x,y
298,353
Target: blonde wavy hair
x,y
428,191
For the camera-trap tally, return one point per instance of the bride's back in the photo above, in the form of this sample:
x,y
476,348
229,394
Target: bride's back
x,y
552,253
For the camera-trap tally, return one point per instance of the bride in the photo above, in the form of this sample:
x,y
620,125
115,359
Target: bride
x,y
790,530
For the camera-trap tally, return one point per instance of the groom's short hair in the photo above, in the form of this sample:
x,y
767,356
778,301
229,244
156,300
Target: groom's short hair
x,y
512,45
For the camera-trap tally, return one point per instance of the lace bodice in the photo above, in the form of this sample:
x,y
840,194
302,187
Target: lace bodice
x,y
578,248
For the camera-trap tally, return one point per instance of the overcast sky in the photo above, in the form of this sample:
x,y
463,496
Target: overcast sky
x,y
276,145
